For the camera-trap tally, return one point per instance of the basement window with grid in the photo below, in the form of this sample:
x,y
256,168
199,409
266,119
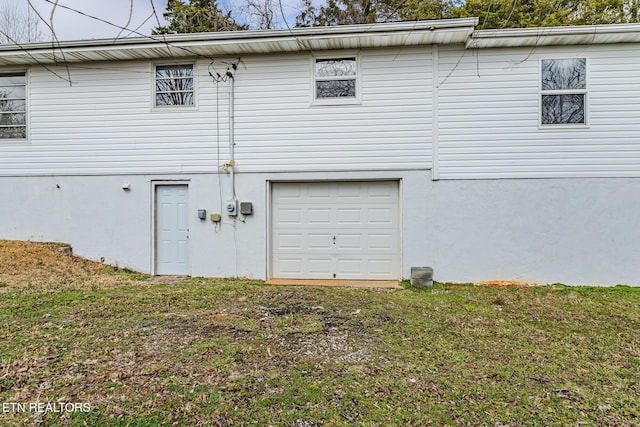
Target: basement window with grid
x,y
174,85
563,91
13,106
335,79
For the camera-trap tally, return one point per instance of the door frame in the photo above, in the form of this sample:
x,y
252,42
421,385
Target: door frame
x,y
155,184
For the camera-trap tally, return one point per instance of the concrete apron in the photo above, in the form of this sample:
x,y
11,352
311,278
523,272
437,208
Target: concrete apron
x,y
381,284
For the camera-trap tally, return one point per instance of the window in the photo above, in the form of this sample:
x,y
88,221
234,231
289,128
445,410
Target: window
x,y
174,85
564,91
13,106
335,78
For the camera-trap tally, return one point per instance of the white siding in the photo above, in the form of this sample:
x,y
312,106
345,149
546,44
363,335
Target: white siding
x,y
489,123
279,130
105,123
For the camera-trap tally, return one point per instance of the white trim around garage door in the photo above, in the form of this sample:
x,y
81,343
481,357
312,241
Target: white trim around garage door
x,y
343,230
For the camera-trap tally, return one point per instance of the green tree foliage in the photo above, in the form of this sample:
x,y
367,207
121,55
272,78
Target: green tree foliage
x,y
343,12
546,13
632,11
195,17
192,16
413,10
491,13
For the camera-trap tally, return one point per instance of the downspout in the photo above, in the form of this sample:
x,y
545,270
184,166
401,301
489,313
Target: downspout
x,y
435,111
232,142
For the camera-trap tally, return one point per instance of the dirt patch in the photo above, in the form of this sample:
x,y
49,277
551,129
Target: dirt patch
x,y
506,284
237,352
334,345
166,279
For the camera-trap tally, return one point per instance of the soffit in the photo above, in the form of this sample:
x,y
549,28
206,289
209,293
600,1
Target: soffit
x,y
555,36
239,43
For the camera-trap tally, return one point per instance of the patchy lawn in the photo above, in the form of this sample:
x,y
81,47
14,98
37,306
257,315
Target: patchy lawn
x,y
134,352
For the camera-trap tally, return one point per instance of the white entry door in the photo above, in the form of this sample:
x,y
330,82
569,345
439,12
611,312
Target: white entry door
x,y
172,230
335,230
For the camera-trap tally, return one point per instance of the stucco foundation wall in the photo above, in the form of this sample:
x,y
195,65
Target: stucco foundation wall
x,y
92,213
572,231
102,221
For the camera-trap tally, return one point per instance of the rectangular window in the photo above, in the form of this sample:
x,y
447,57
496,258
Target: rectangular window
x,y
335,78
174,85
563,91
13,106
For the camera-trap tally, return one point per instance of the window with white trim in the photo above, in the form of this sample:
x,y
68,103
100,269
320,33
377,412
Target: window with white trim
x,y
335,78
563,91
13,106
174,85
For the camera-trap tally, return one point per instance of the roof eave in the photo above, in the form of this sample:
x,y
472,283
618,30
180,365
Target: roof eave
x,y
555,36
243,42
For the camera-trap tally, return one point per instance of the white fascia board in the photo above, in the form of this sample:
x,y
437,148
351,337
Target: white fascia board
x,y
443,31
555,36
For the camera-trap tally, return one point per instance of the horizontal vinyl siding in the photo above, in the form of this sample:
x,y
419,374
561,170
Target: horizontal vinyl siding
x,y
278,128
104,123
489,118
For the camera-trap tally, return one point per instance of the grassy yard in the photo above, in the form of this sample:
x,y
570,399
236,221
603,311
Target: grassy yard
x,y
237,352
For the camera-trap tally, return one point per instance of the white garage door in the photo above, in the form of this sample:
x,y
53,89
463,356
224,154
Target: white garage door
x,y
335,230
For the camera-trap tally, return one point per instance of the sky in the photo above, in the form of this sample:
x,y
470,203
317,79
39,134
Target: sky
x,y
70,25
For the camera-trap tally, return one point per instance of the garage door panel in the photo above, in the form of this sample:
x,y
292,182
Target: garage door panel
x,y
289,216
319,267
318,216
316,241
350,191
382,216
318,192
342,230
349,216
379,267
383,191
349,268
349,241
380,242
289,241
290,266
289,193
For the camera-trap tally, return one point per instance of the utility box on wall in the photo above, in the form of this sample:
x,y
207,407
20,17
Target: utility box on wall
x,y
246,208
232,207
422,277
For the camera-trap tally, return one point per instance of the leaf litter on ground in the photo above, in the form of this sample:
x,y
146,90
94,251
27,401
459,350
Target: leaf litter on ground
x,y
195,351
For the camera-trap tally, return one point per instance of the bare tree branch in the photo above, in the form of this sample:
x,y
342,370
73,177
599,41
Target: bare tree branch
x,y
53,12
19,23
24,49
261,14
128,20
